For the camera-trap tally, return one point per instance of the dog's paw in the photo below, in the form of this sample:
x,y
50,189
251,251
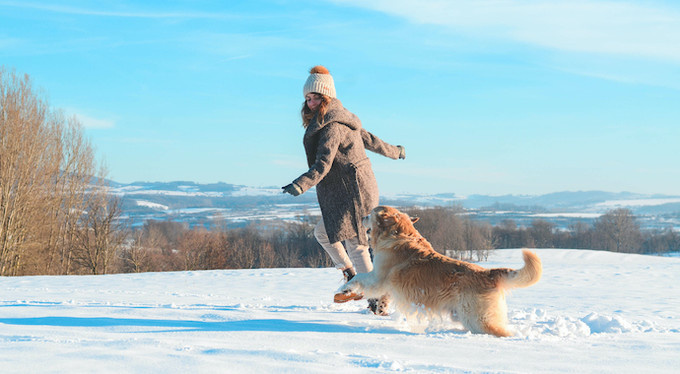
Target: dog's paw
x,y
379,306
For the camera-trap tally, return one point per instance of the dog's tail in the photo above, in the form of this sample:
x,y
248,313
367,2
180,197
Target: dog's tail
x,y
526,276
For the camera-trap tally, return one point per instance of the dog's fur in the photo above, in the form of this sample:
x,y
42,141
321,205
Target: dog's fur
x,y
408,269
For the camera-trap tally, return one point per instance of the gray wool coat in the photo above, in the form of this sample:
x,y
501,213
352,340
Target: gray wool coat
x,y
339,168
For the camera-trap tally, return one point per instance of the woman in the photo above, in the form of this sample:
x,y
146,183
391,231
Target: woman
x,y
335,144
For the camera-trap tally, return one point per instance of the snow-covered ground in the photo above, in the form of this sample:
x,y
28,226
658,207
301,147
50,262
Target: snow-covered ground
x,y
596,312
611,204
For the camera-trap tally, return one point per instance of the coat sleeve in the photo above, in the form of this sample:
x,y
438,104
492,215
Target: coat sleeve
x,y
374,144
329,141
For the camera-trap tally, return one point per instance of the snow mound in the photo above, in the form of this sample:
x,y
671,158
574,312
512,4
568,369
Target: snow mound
x,y
603,324
539,323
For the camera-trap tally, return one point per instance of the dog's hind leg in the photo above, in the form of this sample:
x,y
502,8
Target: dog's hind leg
x,y
491,314
496,330
478,324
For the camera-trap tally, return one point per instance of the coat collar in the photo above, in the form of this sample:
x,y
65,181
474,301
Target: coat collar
x,y
335,113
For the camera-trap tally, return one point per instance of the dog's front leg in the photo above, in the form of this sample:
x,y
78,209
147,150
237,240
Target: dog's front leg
x,y
362,283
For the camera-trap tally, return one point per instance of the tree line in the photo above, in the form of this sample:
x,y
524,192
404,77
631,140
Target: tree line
x,y
617,231
57,216
174,246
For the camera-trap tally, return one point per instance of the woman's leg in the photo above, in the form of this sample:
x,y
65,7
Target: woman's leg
x,y
361,258
359,255
335,250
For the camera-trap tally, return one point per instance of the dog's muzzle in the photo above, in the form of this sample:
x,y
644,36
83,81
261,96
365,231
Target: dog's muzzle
x,y
366,222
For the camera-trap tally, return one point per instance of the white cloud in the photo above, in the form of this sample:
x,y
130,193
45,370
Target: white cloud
x,y
95,123
89,122
637,29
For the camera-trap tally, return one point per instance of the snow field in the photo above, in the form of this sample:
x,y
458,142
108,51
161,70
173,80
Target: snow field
x,y
592,312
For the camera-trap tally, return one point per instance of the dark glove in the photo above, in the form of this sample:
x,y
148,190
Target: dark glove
x,y
402,152
292,189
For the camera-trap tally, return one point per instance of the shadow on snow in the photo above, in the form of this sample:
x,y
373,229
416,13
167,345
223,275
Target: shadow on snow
x,y
271,325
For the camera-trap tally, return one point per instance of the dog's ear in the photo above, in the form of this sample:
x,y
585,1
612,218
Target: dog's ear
x,y
415,219
387,219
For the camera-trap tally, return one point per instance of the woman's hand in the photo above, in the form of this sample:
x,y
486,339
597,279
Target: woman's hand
x,y
292,189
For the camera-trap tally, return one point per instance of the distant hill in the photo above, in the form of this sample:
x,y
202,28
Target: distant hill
x,y
238,204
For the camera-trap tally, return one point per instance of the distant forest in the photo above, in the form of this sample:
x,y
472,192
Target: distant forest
x,y
173,246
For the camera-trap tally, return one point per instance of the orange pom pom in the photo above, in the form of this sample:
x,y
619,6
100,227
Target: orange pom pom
x,y
318,69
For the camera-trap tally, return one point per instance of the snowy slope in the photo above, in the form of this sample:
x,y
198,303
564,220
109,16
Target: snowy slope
x,y
592,312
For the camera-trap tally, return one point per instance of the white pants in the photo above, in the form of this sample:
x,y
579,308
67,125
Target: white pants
x,y
351,254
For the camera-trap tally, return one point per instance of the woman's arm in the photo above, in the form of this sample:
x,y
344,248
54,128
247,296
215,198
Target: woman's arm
x,y
329,141
374,144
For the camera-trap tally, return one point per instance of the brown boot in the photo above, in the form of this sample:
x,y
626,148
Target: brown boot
x,y
343,297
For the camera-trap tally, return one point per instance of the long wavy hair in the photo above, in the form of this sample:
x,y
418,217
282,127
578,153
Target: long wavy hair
x,y
308,114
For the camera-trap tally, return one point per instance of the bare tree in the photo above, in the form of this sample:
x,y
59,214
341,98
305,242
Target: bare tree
x,y
102,235
661,241
617,231
542,233
45,166
73,180
296,245
155,247
478,240
453,234
201,249
134,257
580,236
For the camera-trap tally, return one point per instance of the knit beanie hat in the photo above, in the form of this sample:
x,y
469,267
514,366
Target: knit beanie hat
x,y
319,81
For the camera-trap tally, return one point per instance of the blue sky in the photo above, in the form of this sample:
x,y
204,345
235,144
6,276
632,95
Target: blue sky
x,y
488,97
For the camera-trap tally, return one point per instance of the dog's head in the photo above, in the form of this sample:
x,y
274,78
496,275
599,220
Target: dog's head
x,y
388,221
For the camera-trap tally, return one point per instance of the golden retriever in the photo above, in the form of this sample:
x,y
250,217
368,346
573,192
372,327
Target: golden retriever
x,y
413,274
